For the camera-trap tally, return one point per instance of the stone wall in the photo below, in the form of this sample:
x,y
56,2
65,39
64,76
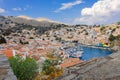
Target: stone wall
x,y
6,72
106,68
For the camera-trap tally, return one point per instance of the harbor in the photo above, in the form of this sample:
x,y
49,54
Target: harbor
x,y
84,52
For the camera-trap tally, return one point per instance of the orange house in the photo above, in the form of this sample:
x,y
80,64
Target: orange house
x,y
7,52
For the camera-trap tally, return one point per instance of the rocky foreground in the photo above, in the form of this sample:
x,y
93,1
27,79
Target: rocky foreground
x,y
6,72
107,68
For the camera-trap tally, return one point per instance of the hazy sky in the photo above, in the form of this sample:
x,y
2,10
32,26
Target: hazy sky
x,y
67,11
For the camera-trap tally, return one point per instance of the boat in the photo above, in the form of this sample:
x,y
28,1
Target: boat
x,y
74,52
77,54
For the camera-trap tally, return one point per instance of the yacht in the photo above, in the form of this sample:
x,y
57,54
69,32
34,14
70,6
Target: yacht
x,y
77,54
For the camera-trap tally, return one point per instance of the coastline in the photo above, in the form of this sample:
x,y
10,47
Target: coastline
x,y
89,47
93,46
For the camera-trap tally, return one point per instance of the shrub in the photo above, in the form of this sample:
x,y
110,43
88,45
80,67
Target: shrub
x,y
111,38
86,33
49,70
58,38
24,69
2,40
31,37
113,30
102,28
118,37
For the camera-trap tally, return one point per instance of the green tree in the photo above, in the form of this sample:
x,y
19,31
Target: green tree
x,y
111,38
118,37
24,69
113,30
47,67
102,28
31,37
50,70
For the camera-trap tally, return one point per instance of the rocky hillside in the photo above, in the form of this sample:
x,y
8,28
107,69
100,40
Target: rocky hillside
x,y
10,24
107,68
12,20
34,22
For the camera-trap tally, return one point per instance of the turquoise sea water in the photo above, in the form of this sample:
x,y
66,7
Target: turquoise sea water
x,y
89,53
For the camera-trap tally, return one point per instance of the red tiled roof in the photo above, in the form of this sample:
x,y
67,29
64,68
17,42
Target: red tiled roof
x,y
8,52
70,62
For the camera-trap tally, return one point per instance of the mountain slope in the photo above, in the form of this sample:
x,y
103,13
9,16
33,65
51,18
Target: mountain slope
x,y
34,22
10,24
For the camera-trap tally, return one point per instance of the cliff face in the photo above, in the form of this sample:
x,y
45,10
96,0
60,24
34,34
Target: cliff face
x,y
107,68
5,70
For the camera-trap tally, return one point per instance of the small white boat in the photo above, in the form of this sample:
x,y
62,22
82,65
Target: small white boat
x,y
77,54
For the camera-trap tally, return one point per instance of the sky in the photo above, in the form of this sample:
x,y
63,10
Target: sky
x,y
66,11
